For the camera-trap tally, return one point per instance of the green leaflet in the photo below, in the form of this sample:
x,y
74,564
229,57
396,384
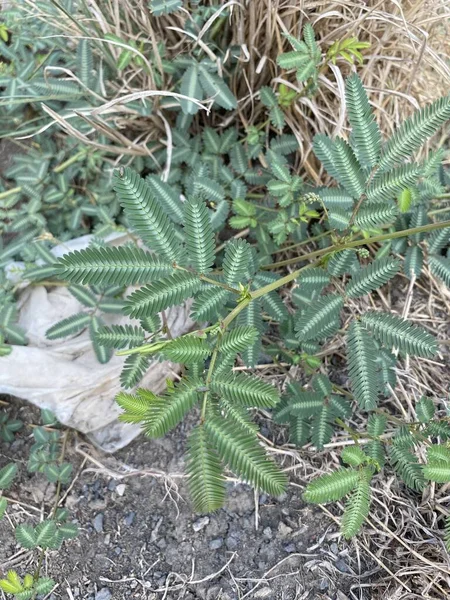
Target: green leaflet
x,y
69,326
190,87
158,296
407,467
251,316
167,197
235,262
440,267
361,353
413,132
356,508
388,185
209,304
347,170
331,487
216,88
373,215
322,429
425,409
103,353
187,349
238,339
146,215
365,137
372,277
394,331
321,314
413,261
242,452
121,336
245,390
7,475
165,412
200,242
204,470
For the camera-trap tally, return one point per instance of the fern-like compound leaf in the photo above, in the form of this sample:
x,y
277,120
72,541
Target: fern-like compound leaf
x,y
85,62
158,296
324,150
331,487
425,409
413,132
209,304
356,508
120,336
393,331
353,456
342,262
361,354
438,473
388,185
407,467
336,198
373,215
305,404
245,390
311,324
103,353
69,326
240,414
235,262
347,169
165,412
167,197
438,240
199,235
205,478
440,266
7,475
322,429
372,277
365,137
413,261
112,266
145,214
251,316
438,454
241,451
135,407
187,350
238,339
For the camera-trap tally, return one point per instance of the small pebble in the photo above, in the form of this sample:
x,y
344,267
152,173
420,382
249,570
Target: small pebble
x,y
334,548
267,532
118,551
200,524
323,585
342,566
103,594
112,484
128,520
120,489
216,544
98,523
290,548
107,539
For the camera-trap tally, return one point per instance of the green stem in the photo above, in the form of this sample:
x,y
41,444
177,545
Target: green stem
x,y
208,379
69,161
10,192
355,243
304,242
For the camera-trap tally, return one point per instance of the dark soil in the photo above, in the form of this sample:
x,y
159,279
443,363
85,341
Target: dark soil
x,y
140,538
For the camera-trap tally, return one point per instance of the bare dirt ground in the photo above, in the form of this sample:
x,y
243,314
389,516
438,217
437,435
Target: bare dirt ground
x,y
140,539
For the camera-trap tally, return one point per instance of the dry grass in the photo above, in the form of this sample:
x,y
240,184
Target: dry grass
x,y
406,66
